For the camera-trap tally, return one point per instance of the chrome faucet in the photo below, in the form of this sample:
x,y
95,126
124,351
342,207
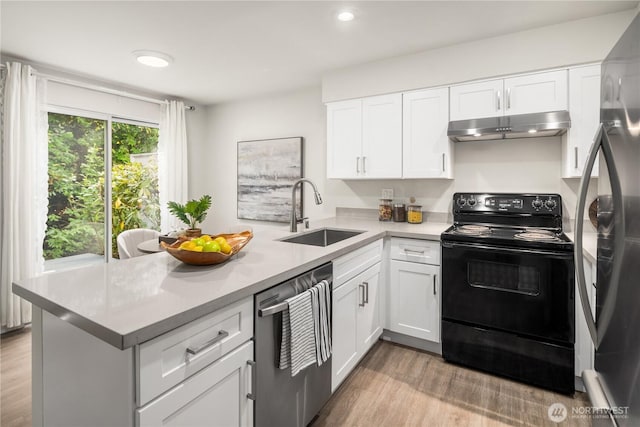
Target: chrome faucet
x,y
294,220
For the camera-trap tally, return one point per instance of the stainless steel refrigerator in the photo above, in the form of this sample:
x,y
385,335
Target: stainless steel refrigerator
x,y
614,385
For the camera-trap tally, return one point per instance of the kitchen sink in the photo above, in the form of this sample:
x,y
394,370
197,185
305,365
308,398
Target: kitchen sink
x,y
322,237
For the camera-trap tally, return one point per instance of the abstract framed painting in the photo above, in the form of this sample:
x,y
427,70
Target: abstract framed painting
x,y
267,168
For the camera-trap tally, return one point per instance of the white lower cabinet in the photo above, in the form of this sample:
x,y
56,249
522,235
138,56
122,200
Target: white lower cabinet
x,y
414,288
356,314
198,374
414,300
215,396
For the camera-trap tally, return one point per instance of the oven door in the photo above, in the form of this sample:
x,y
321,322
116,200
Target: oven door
x,y
522,291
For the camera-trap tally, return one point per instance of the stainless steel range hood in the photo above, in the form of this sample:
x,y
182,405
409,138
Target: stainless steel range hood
x,y
510,127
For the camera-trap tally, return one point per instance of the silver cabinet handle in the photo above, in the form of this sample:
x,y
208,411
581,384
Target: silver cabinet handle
x,y
197,349
358,164
575,157
498,98
413,251
508,98
364,164
435,279
362,302
443,168
366,292
252,395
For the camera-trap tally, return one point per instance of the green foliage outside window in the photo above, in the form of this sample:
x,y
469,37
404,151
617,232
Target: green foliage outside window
x,y
75,223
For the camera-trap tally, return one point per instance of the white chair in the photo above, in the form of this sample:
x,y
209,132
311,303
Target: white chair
x,y
128,241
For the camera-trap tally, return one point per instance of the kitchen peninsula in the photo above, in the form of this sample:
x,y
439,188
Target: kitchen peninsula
x,y
95,328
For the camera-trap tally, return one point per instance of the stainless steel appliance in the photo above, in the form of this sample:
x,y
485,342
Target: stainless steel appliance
x,y
280,399
508,288
614,386
532,125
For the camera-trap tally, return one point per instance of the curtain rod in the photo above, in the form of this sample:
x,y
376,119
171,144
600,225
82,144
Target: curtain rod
x,y
103,89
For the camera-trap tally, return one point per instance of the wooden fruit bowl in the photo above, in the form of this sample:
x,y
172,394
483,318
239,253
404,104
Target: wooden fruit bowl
x,y
236,240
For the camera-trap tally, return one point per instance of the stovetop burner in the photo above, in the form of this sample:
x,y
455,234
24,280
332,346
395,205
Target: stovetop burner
x,y
473,230
537,236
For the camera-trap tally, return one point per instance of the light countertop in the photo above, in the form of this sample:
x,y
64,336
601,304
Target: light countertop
x,y
132,301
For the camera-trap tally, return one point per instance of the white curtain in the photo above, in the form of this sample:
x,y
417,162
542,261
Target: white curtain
x,y
24,187
172,162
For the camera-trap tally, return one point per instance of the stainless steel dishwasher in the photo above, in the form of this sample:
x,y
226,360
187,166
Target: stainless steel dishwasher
x,y
280,399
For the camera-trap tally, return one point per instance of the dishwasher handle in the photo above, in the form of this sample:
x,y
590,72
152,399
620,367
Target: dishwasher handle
x,y
273,309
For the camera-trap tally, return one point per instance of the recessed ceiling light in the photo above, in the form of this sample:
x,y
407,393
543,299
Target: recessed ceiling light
x,y
346,16
477,134
153,59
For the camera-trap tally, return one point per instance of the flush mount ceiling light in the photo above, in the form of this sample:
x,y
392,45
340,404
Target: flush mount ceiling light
x,y
153,59
346,16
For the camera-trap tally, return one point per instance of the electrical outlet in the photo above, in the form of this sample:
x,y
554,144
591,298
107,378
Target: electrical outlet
x,y
387,193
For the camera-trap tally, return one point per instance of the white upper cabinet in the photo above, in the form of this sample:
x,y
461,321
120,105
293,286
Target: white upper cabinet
x,y
536,93
344,138
477,100
584,108
426,149
531,93
364,138
382,136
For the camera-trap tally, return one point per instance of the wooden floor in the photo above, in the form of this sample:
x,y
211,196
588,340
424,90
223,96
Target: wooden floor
x,y
400,386
392,386
15,378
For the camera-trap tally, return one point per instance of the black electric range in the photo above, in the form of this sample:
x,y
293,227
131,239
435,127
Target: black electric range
x,y
508,288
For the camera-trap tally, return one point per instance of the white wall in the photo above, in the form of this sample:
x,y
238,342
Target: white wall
x,y
576,42
299,113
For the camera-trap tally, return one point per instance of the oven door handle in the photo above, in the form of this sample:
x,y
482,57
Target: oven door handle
x,y
451,245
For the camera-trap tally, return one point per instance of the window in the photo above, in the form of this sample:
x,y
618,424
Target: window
x,y
82,178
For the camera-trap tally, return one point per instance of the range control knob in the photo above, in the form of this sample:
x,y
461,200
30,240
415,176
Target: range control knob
x,y
550,204
461,202
537,204
471,202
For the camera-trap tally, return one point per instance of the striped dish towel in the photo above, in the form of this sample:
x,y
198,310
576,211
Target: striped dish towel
x,y
302,348
324,351
306,329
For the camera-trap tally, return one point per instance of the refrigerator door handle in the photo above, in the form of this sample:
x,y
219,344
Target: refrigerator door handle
x,y
578,230
600,142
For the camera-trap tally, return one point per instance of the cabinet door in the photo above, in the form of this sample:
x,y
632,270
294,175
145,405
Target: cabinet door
x,y
426,148
382,136
369,311
414,300
344,331
344,139
584,107
477,100
215,396
536,93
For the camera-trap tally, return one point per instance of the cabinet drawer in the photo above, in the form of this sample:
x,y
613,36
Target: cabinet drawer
x,y
164,361
414,250
216,396
356,262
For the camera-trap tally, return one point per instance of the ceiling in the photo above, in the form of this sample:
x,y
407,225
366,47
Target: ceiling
x,y
227,50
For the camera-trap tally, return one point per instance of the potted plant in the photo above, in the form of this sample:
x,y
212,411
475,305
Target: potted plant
x,y
191,213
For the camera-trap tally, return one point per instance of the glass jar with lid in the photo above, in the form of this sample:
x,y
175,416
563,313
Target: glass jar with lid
x,y
399,212
414,214
385,210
